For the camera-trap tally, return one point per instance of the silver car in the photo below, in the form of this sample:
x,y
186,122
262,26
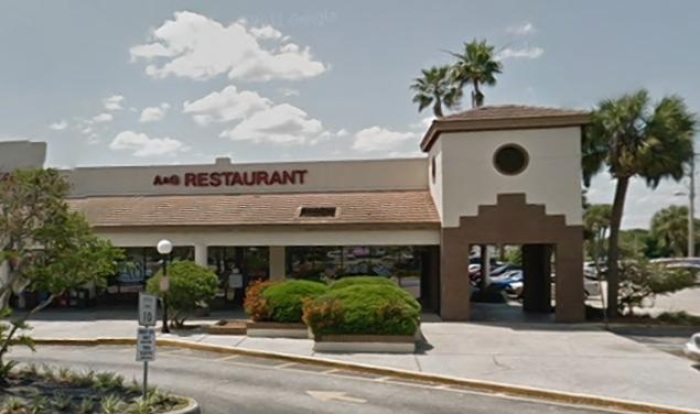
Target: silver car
x,y
692,347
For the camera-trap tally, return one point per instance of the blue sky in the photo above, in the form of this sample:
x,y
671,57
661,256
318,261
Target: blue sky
x,y
134,82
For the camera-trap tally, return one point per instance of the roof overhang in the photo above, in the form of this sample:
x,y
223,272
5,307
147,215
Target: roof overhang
x,y
439,126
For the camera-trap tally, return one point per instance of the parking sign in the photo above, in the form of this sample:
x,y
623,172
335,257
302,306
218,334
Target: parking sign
x,y
147,309
146,344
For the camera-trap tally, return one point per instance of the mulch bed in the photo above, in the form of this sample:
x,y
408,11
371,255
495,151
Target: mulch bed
x,y
228,327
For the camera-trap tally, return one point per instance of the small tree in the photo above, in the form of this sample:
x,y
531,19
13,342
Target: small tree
x,y
191,287
44,246
641,281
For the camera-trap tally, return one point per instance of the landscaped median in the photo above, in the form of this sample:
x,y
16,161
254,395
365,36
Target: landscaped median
x,y
47,389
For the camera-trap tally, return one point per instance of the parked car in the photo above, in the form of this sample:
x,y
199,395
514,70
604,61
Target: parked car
x,y
692,347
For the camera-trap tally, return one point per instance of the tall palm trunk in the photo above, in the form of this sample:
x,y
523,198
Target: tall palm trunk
x,y
437,107
477,96
613,244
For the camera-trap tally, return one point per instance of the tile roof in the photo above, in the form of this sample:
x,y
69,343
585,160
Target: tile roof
x,y
385,207
504,117
512,112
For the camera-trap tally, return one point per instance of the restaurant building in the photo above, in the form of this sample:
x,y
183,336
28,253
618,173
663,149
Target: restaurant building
x,y
495,175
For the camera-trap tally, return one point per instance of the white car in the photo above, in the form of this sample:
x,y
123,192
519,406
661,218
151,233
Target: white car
x,y
692,347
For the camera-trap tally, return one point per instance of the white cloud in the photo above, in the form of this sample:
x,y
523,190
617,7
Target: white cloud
x,y
342,133
197,47
522,53
281,124
103,117
380,139
228,105
59,126
525,28
144,146
154,113
288,92
423,124
113,103
265,32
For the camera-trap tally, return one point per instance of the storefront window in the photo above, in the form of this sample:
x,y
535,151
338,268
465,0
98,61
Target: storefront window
x,y
330,262
140,264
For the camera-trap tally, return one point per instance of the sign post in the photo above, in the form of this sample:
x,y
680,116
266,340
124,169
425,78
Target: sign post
x,y
146,335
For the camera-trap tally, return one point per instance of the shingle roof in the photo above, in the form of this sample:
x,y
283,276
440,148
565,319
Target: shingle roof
x,y
386,207
503,117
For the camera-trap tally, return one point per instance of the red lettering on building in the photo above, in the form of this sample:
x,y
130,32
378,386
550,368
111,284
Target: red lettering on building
x,y
232,178
190,180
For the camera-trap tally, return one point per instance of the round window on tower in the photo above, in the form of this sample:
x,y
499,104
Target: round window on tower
x,y
511,159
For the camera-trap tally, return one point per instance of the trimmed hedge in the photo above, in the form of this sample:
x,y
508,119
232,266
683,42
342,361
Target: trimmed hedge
x,y
363,309
280,301
360,280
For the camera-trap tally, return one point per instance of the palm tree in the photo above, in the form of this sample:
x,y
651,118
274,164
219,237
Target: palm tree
x,y
476,65
436,88
669,226
596,222
634,137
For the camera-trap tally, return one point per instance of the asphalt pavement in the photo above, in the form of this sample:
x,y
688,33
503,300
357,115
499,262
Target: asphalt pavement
x,y
242,384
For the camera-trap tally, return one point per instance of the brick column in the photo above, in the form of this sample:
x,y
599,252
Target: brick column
x,y
569,296
455,289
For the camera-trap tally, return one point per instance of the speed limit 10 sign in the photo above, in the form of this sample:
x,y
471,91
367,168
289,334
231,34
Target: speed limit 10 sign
x,y
147,309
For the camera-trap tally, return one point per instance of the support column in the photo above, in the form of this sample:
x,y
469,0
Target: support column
x,y
455,289
537,293
277,262
485,267
200,254
569,295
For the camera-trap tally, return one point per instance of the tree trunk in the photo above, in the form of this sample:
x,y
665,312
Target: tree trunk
x,y
437,107
15,327
477,97
613,244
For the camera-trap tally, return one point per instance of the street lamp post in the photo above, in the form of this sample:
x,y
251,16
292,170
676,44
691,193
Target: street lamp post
x,y
691,207
165,247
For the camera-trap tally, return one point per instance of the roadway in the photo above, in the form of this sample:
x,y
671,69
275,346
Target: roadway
x,y
228,384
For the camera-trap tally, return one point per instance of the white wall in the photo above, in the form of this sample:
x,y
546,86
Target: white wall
x,y
552,178
391,174
21,154
436,187
191,237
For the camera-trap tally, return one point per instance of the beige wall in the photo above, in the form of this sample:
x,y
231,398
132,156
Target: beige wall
x,y
436,186
553,177
21,154
391,174
192,237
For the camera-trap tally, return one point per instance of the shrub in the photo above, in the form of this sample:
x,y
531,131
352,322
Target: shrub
x,y
191,287
641,281
255,304
282,301
369,309
360,280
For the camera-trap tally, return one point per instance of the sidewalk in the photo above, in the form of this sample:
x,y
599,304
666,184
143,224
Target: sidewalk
x,y
582,359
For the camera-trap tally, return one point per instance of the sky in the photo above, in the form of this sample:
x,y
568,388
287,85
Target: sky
x,y
135,82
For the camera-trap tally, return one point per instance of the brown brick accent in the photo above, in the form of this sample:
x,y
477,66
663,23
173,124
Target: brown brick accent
x,y
513,221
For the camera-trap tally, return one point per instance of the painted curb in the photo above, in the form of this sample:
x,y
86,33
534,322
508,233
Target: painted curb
x,y
476,385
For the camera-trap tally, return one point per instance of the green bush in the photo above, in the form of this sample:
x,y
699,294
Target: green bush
x,y
191,287
360,280
284,299
363,309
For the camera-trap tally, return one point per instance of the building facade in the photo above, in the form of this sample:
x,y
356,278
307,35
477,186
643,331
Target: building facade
x,y
495,175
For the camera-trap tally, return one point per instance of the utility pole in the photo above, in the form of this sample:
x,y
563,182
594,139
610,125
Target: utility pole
x,y
691,210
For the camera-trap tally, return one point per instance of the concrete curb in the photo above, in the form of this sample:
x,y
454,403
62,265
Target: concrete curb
x,y
191,408
476,385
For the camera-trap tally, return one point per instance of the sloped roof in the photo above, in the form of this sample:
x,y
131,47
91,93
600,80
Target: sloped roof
x,y
502,117
385,207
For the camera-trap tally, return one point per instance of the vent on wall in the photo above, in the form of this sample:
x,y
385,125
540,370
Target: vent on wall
x,y
317,212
